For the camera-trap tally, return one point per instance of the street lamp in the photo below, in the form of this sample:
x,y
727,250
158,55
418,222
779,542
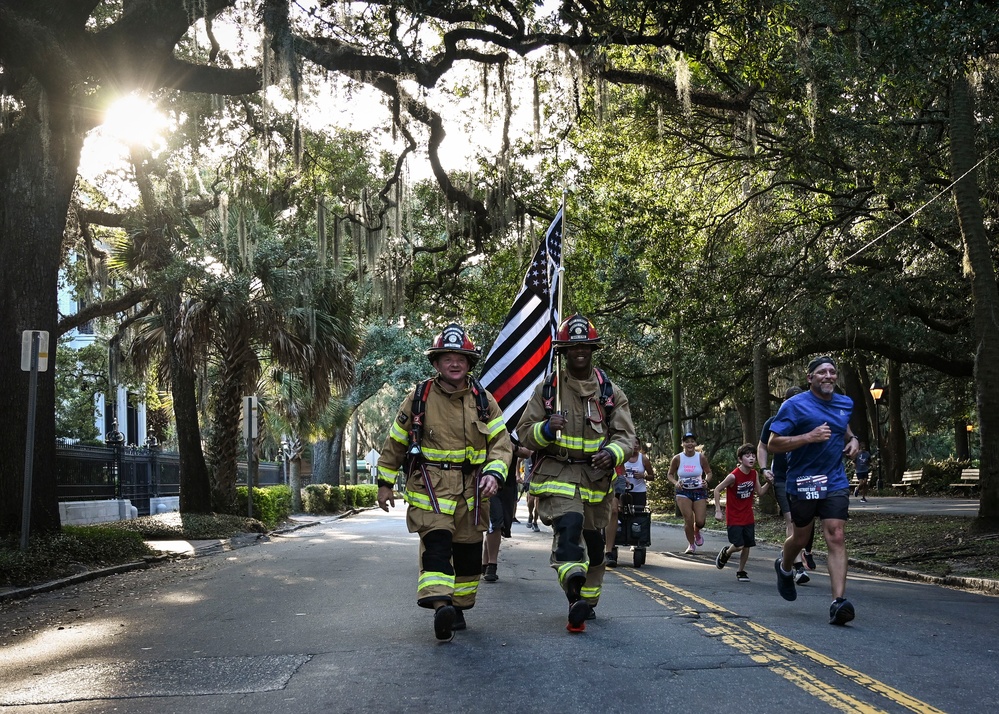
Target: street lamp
x,y
285,449
877,390
152,444
116,440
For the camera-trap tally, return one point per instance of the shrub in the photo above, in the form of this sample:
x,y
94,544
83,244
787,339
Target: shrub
x,y
324,498
190,526
271,504
359,496
938,474
362,496
60,554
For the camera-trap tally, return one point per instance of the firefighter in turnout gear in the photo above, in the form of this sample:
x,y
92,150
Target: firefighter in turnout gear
x,y
579,442
451,446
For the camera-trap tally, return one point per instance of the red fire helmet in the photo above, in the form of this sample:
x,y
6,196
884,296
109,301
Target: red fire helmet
x,y
577,330
453,339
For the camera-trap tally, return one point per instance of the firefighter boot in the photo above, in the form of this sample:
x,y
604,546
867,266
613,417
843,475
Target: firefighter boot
x,y
444,619
579,610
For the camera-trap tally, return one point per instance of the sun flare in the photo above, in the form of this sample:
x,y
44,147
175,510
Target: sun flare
x,y
134,120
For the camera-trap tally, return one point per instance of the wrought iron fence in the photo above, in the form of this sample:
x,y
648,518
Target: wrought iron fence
x,y
90,473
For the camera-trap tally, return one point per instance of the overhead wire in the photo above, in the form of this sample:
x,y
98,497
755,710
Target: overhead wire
x,y
916,212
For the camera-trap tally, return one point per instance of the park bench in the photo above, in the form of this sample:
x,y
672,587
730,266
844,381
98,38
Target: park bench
x,y
969,479
910,479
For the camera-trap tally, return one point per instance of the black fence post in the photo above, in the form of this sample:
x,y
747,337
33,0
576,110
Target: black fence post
x,y
115,439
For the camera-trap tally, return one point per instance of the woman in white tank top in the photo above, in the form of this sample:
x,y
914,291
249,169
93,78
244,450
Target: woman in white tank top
x,y
690,473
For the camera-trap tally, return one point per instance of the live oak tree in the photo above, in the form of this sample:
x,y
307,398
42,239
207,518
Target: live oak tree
x,y
780,154
62,63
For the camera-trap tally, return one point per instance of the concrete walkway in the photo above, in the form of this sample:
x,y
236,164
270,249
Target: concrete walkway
x,y
916,505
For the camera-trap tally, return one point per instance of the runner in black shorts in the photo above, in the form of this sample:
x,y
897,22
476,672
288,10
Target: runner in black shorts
x,y
815,426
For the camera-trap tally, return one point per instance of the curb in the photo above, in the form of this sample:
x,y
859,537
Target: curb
x,y
224,545
982,585
955,581
22,593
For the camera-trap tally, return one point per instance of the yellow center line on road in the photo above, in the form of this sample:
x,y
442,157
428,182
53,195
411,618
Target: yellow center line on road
x,y
767,648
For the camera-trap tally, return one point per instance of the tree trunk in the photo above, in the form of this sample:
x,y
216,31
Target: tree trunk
x,y
961,441
761,400
895,458
854,383
322,462
352,456
677,412
39,155
761,390
295,482
195,493
985,295
745,411
224,439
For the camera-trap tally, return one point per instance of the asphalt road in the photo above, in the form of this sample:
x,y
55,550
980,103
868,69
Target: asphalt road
x,y
324,619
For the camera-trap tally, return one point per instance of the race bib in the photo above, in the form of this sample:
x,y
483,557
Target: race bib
x,y
812,488
691,482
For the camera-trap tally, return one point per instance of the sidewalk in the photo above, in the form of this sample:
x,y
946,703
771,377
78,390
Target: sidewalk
x,y
169,550
917,505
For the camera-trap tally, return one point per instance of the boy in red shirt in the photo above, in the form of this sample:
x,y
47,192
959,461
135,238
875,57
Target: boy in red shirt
x,y
742,485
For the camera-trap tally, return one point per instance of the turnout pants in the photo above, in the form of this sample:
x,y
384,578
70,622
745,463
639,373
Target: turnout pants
x,y
577,542
450,556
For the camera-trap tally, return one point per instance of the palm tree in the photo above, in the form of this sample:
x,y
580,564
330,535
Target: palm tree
x,y
272,306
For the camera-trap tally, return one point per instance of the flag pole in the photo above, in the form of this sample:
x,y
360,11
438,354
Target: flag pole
x,y
561,287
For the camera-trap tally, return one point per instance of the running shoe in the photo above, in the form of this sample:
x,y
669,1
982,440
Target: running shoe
x,y
698,539
536,528
691,549
809,561
722,558
800,576
863,499
785,583
742,576
490,574
841,612
610,559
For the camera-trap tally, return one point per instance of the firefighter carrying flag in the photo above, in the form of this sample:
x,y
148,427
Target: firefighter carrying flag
x,y
522,353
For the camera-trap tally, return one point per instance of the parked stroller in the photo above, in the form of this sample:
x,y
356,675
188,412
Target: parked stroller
x,y
634,529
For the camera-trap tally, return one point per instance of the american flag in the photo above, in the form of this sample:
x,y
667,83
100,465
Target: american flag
x,y
522,353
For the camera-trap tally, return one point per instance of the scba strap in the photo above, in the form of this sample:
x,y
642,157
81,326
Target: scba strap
x,y
419,408
606,392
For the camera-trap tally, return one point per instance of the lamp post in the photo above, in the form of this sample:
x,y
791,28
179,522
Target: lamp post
x,y
285,447
152,444
116,440
877,390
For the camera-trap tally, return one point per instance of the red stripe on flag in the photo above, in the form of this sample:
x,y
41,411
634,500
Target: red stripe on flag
x,y
517,377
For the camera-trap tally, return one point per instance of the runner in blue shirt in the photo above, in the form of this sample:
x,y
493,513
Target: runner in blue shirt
x,y
815,427
863,466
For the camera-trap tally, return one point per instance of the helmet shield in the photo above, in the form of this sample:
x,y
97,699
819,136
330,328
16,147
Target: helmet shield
x,y
454,339
577,330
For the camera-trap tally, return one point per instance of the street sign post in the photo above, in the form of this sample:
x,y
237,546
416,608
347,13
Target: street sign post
x,y
34,359
249,434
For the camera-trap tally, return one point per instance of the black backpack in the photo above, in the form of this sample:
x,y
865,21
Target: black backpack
x,y
606,392
420,408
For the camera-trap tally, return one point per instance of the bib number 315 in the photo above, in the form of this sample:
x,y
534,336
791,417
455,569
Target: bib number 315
x,y
812,488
